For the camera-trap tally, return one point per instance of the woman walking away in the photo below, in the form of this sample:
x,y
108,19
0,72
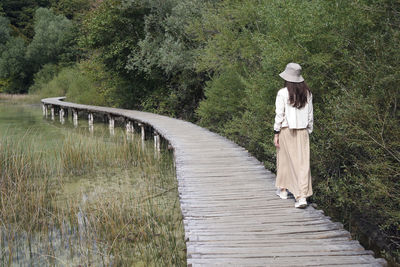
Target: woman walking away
x,y
293,124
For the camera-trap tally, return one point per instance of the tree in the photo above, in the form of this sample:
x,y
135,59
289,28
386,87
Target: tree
x,y
1,11
114,29
21,14
53,40
71,9
167,50
13,65
4,31
110,32
12,59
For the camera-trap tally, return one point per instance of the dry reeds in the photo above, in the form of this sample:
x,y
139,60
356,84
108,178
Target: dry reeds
x,y
19,98
132,217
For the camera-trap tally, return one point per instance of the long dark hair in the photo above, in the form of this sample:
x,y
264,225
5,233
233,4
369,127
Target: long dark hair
x,y
298,93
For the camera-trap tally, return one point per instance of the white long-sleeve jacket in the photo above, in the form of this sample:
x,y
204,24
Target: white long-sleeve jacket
x,y
289,116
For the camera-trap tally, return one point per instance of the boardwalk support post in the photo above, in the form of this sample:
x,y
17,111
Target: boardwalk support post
x,y
129,126
90,117
44,109
111,124
91,120
75,117
157,142
62,114
142,131
52,112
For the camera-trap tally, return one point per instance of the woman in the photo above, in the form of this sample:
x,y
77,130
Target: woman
x,y
293,124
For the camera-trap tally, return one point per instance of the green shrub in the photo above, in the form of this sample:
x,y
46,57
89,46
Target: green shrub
x,y
224,100
44,76
349,52
70,82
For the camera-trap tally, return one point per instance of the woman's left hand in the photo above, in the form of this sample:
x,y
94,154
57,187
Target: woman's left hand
x,y
276,140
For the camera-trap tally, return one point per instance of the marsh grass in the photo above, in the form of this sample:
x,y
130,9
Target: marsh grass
x,y
88,202
19,98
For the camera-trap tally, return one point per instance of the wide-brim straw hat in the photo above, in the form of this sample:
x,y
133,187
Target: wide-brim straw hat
x,y
292,73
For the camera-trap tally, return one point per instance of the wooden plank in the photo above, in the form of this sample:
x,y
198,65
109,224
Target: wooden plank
x,y
365,260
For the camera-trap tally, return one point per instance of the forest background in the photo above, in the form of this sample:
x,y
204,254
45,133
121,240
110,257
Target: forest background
x,y
216,63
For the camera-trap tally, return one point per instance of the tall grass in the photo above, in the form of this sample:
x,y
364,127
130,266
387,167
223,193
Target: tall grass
x,y
19,98
126,214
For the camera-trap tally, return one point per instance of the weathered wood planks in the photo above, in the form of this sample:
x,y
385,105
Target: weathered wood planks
x,y
231,214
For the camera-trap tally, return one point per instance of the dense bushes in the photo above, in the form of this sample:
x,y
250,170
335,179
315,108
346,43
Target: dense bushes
x,y
347,49
86,82
53,42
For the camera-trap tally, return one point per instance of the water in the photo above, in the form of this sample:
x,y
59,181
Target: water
x,y
63,243
26,121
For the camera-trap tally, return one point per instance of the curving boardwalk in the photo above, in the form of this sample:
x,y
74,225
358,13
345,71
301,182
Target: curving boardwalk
x,y
232,216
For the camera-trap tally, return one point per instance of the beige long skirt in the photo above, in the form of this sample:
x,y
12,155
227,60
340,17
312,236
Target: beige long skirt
x,y
293,162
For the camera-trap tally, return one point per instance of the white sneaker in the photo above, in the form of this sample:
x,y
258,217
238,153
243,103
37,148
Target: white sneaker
x,y
301,203
282,194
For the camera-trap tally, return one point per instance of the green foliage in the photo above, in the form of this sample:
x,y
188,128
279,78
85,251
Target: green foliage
x,y
166,51
53,43
70,82
111,31
43,76
12,58
359,158
4,31
165,45
107,87
12,65
114,29
58,86
87,82
71,8
53,40
349,52
224,97
21,14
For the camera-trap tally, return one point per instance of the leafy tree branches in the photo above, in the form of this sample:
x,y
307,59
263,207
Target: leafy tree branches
x,y
53,38
21,14
54,42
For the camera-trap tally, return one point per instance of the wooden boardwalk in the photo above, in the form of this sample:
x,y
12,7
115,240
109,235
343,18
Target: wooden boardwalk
x,y
232,216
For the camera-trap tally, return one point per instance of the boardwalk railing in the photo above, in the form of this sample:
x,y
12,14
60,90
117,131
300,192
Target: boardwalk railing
x,y
231,213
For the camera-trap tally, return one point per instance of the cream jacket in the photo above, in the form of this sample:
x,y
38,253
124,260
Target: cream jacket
x,y
289,116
